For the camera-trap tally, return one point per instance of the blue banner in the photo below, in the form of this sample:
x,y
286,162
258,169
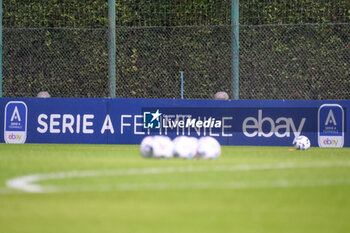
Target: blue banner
x,y
128,121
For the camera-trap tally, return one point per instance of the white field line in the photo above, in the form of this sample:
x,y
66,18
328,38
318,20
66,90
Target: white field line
x,y
28,183
202,185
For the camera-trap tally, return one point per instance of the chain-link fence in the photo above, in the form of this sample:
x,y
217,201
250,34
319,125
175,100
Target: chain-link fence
x,y
64,62
295,62
277,61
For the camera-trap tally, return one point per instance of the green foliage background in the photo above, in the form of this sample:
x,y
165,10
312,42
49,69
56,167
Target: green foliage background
x,y
62,47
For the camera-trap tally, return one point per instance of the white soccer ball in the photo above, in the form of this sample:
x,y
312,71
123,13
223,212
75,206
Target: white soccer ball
x,y
221,95
43,94
208,148
302,143
185,147
146,147
162,147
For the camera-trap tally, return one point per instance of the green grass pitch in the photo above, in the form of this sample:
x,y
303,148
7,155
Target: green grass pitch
x,y
106,188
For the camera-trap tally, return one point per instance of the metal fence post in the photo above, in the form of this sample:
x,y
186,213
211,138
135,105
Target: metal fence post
x,y
111,49
235,48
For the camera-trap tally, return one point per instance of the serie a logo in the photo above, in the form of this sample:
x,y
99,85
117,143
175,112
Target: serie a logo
x,y
15,130
331,125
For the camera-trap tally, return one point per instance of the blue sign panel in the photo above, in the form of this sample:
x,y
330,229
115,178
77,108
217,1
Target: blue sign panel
x,y
15,122
331,125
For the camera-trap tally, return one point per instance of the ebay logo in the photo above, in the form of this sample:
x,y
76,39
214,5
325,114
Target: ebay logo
x,y
330,142
15,137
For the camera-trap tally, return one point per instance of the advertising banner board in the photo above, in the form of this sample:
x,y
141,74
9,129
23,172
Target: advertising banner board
x,y
128,121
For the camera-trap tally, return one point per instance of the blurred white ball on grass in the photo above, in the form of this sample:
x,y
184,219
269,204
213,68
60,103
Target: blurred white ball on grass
x,y
163,147
181,147
302,143
146,147
185,147
208,148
